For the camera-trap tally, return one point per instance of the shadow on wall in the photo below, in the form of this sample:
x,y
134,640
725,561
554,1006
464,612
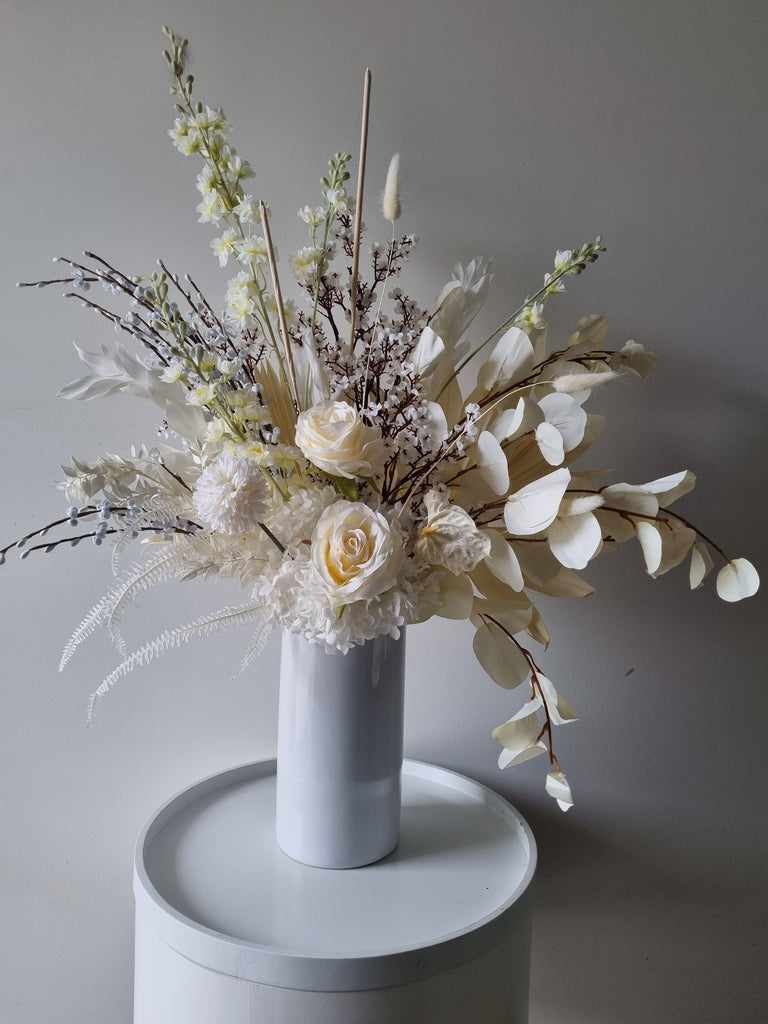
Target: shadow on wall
x,y
632,932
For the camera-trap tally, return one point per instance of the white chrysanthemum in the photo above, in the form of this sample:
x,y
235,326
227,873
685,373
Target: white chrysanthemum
x,y
231,495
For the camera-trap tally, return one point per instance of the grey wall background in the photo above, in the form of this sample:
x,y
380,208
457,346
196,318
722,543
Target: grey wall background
x,y
522,128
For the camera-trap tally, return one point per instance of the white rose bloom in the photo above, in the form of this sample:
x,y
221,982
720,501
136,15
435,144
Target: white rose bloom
x,y
449,537
231,495
355,552
333,436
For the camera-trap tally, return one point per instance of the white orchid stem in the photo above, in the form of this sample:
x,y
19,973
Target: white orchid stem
x,y
359,210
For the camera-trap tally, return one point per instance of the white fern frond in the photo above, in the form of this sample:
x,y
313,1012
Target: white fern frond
x,y
103,611
168,566
198,629
158,506
256,646
95,617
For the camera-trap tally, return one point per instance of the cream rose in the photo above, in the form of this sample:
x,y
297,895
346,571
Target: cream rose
x,y
355,552
333,436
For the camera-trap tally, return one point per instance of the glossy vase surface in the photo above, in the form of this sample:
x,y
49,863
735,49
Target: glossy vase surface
x,y
340,751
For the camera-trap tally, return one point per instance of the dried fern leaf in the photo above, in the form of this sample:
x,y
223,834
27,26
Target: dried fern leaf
x,y
198,629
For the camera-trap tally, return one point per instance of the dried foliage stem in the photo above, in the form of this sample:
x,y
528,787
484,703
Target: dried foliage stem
x,y
279,303
359,209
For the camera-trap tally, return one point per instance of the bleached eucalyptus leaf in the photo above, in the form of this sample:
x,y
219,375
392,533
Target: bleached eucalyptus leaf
x,y
509,421
491,462
534,507
456,596
575,540
500,656
543,572
675,545
518,737
502,560
668,488
650,542
550,442
737,579
558,788
631,498
559,709
514,616
567,415
511,359
701,565
428,350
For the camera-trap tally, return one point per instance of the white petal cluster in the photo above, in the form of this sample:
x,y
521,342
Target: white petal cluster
x,y
231,495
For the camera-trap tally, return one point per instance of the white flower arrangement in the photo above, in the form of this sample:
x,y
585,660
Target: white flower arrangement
x,y
358,468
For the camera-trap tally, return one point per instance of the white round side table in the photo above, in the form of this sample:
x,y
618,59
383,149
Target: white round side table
x,y
230,929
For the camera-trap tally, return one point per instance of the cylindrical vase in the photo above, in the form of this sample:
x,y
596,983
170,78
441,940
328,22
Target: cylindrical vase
x,y
340,751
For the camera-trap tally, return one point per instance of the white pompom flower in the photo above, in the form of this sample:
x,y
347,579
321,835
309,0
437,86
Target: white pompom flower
x,y
231,495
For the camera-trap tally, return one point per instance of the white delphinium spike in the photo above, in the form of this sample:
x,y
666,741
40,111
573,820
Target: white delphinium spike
x,y
390,200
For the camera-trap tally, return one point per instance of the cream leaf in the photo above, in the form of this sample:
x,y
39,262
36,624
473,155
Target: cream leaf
x,y
737,579
575,540
491,462
502,560
500,656
534,507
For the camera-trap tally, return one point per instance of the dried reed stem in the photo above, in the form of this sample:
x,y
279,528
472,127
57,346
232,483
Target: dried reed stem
x,y
279,304
359,209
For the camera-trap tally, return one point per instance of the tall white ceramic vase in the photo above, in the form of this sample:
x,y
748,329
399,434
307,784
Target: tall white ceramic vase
x,y
340,751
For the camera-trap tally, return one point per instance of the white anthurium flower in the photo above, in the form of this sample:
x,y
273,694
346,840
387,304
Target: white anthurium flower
x,y
701,565
449,537
737,579
567,415
575,539
664,547
333,437
502,560
550,442
491,462
558,788
511,359
533,508
500,656
559,710
518,736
